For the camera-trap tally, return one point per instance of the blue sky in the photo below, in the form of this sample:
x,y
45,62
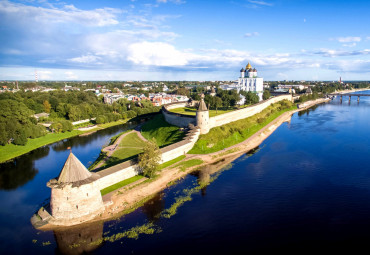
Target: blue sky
x,y
184,39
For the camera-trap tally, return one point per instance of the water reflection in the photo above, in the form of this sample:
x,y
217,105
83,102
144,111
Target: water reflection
x,y
16,173
153,208
79,240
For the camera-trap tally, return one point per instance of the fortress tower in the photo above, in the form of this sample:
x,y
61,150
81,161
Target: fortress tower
x,y
202,117
75,196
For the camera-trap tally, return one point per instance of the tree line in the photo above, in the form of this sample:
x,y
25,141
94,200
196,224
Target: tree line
x,y
17,122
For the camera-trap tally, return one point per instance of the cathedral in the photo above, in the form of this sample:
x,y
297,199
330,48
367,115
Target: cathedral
x,y
249,81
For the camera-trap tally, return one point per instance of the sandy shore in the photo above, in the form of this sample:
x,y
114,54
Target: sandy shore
x,y
128,197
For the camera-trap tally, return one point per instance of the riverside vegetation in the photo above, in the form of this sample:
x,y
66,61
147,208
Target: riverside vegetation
x,y
19,127
235,132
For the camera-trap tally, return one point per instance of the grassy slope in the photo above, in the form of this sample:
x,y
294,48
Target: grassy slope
x,y
163,132
171,162
130,146
235,132
188,163
11,151
192,111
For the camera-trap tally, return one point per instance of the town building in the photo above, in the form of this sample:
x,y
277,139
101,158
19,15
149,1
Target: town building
x,y
248,81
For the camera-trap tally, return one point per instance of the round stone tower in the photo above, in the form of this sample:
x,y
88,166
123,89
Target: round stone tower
x,y
202,117
75,195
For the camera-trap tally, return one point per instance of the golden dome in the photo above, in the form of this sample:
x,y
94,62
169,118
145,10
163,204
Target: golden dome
x,y
248,66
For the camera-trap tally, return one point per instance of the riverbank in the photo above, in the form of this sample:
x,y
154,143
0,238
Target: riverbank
x,y
127,199
12,151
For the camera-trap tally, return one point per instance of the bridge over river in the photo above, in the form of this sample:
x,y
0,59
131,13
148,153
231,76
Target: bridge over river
x,y
349,95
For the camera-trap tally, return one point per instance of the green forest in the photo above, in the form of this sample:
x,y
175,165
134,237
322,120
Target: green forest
x,y
17,121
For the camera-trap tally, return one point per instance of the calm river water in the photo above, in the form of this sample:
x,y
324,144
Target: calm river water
x,y
305,189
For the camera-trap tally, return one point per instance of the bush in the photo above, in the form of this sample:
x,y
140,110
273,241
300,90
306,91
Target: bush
x,y
20,138
100,119
131,114
260,120
67,126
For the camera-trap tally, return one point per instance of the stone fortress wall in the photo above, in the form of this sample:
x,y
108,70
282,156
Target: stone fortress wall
x,y
182,120
245,112
76,202
129,169
177,119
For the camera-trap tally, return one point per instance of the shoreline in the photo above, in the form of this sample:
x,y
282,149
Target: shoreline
x,y
127,199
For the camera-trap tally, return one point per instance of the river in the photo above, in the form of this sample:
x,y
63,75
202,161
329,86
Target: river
x,y
305,189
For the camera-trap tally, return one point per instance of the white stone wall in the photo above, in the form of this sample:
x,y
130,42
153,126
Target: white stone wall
x,y
245,112
117,176
111,176
180,120
180,148
71,203
202,121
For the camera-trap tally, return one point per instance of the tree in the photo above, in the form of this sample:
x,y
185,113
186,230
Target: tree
x,y
47,106
218,103
266,95
149,159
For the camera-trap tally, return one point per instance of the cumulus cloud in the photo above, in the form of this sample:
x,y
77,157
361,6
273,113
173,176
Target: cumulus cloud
x,y
156,54
70,75
44,75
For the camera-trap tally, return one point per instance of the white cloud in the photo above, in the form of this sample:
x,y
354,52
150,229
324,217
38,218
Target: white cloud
x,y
172,1
349,45
260,3
44,75
251,34
156,54
86,59
341,53
349,39
70,75
67,14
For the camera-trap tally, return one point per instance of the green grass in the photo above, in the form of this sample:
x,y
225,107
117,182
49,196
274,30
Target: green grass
x,y
171,162
192,111
130,146
235,132
188,163
163,132
120,184
10,151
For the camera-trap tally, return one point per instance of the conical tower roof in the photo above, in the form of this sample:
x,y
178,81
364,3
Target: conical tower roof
x,y
202,106
248,66
73,171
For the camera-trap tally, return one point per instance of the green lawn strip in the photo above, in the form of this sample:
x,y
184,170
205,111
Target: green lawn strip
x,y
188,163
171,162
114,138
10,151
130,146
163,132
132,140
192,111
120,184
235,132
